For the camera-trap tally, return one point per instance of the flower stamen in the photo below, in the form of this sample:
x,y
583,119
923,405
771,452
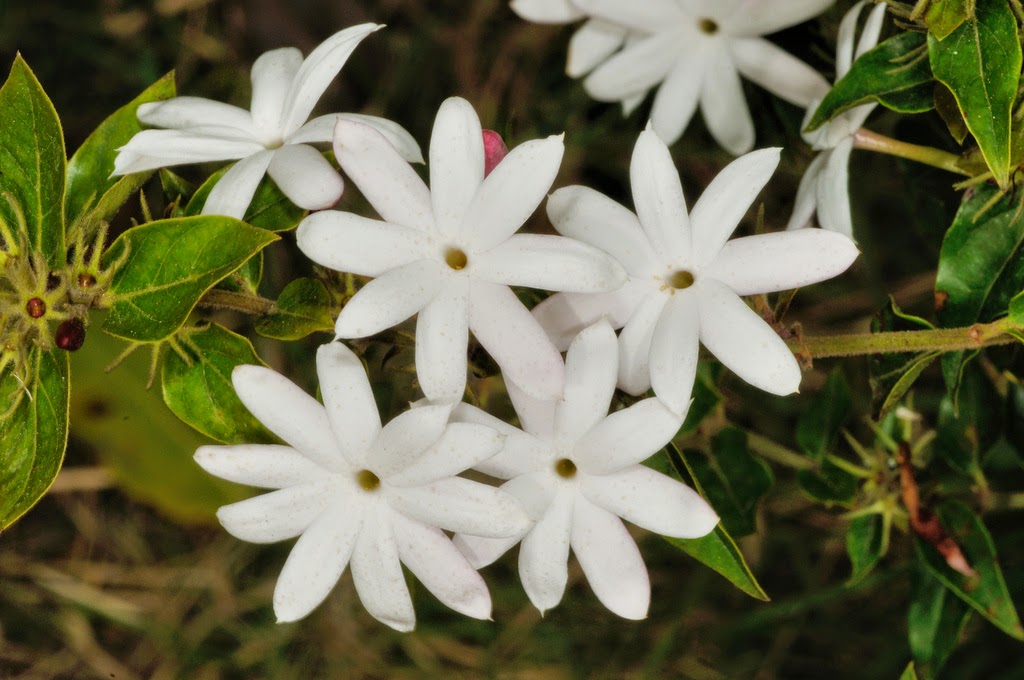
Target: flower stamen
x,y
565,468
680,280
368,480
456,259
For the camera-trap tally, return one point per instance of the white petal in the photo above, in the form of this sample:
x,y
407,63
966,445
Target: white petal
x,y
520,452
233,192
346,242
462,446
651,500
151,149
592,43
659,200
564,315
723,105
544,554
834,192
677,98
546,11
724,202
480,551
190,112
441,568
348,400
278,515
674,351
316,562
264,465
305,177
462,506
806,202
515,340
872,31
535,491
845,38
317,72
627,437
549,262
456,163
272,76
610,560
632,103
537,416
321,129
760,17
377,572
390,299
782,260
589,216
291,414
386,179
591,370
635,345
511,193
778,71
649,16
636,69
442,335
407,437
741,340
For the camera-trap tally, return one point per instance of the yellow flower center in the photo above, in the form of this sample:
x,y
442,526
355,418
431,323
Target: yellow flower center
x,y
456,259
565,468
680,280
368,480
708,26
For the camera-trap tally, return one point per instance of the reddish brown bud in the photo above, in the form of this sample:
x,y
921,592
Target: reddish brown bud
x,y
35,307
70,334
86,280
494,150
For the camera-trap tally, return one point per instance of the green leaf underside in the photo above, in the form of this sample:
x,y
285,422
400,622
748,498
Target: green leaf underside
x,y
716,550
986,592
201,394
35,435
32,163
818,426
829,484
945,16
302,308
864,545
145,447
90,186
887,74
935,619
980,63
912,372
964,433
269,209
732,480
170,265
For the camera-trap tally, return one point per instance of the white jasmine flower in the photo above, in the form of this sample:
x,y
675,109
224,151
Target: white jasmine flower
x,y
693,51
686,277
273,137
824,186
450,253
577,471
360,494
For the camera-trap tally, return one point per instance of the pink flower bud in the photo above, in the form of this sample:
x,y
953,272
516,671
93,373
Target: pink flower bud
x,y
494,150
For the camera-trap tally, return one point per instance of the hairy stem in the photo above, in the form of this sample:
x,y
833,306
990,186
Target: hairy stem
x,y
872,141
239,302
936,340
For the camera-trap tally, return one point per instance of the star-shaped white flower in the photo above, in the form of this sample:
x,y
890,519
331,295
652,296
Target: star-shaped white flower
x,y
824,186
273,138
360,494
686,277
693,51
450,253
577,470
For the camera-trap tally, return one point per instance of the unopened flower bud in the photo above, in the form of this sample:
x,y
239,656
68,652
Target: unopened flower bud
x,y
494,150
35,307
70,334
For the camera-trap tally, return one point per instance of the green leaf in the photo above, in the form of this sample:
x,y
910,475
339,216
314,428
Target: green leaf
x,y
32,165
270,209
200,393
92,194
304,307
705,397
964,433
945,16
912,372
133,434
865,544
908,672
35,435
830,484
169,265
177,191
716,550
732,480
892,73
887,371
946,107
986,592
935,621
818,426
980,63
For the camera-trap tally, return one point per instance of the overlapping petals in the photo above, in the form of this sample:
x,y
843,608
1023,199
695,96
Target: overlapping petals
x,y
686,276
576,470
272,138
362,494
449,253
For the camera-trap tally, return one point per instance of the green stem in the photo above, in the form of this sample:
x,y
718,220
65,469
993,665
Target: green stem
x,y
777,453
936,340
872,141
239,302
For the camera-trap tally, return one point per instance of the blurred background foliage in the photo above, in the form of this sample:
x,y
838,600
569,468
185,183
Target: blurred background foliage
x,y
121,571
